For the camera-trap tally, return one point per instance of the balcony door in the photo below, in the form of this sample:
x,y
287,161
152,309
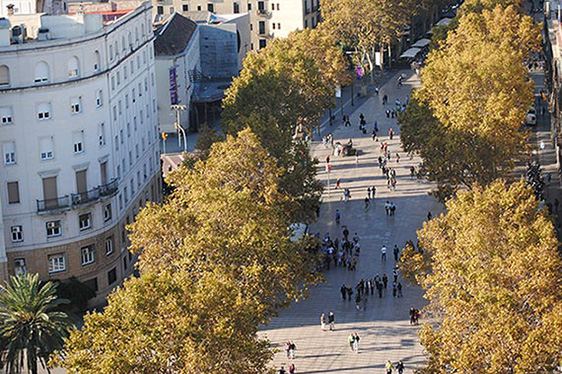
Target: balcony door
x,y
50,192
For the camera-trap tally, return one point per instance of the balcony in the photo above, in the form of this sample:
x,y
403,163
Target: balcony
x,y
53,205
109,189
263,13
78,199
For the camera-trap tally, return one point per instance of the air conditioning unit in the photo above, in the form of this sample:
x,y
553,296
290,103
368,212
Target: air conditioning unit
x,y
16,229
19,263
51,225
76,199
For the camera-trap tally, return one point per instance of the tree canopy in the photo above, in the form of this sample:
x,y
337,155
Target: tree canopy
x,y
465,120
491,272
216,262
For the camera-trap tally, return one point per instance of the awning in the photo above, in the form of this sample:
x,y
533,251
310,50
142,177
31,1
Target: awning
x,y
410,53
444,22
421,43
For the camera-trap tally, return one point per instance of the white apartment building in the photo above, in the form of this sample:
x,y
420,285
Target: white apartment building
x,y
79,140
268,18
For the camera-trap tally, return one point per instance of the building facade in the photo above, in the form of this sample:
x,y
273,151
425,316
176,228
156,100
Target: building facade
x,y
268,19
79,139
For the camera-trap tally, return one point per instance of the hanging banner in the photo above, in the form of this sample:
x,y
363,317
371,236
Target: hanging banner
x,y
173,87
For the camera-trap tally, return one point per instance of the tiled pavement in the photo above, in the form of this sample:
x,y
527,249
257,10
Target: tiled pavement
x,y
384,327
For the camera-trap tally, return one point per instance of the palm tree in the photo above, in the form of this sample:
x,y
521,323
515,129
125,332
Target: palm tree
x,y
30,328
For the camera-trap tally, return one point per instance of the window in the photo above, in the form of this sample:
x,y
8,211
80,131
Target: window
x,y
97,60
107,212
133,95
110,52
78,141
92,284
171,10
19,266
73,70
278,26
88,255
118,78
277,6
198,8
251,27
261,25
262,43
109,246
43,111
273,25
272,6
249,6
125,263
261,5
160,9
138,179
57,262
85,221
120,202
76,105
53,228
101,134
41,72
17,234
210,8
4,75
113,83
129,129
140,87
112,276
184,8
305,23
6,116
99,98
13,192
116,142
125,72
9,149
46,148
145,85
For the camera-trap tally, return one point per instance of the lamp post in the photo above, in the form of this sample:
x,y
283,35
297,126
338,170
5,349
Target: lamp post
x,y
179,128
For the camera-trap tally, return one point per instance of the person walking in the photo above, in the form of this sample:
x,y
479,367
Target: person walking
x,y
388,367
343,291
373,191
356,342
351,341
292,349
396,252
394,289
399,287
282,370
385,280
292,369
323,322
391,133
400,367
288,343
332,320
338,217
383,253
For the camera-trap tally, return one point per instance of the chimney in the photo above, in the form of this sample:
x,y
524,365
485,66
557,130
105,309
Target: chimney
x,y
10,9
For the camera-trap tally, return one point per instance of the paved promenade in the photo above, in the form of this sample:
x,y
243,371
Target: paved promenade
x,y
384,327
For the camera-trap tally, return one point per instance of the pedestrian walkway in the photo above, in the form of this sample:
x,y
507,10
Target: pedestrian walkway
x,y
383,327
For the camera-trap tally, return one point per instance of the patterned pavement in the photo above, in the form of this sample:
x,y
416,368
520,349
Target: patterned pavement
x,y
384,326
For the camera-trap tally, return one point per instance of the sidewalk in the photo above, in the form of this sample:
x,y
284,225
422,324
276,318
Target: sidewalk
x,y
384,327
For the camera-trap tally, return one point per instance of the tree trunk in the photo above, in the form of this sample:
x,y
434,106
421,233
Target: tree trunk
x,y
389,55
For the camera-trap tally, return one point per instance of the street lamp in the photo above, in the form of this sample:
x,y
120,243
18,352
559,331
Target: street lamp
x,y
179,128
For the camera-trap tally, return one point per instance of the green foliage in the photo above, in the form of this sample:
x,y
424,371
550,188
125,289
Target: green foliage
x,y
492,276
216,262
76,292
30,327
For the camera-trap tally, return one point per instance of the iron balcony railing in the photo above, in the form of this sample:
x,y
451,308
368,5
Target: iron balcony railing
x,y
109,188
78,199
56,204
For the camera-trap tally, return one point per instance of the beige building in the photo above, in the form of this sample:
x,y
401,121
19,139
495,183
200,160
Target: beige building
x,y
78,112
268,19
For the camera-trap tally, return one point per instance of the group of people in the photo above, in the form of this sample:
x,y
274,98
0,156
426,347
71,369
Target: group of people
x,y
414,316
389,367
331,321
344,253
389,208
366,287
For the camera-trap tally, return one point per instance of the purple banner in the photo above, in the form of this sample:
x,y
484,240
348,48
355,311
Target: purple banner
x,y
173,87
